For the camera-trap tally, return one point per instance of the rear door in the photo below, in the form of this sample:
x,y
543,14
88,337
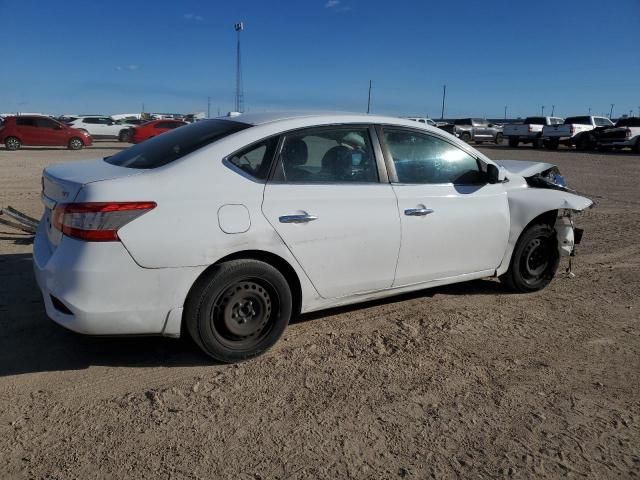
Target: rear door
x,y
453,222
27,130
329,201
50,132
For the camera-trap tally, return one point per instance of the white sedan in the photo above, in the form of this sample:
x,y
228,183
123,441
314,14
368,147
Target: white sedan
x,y
231,227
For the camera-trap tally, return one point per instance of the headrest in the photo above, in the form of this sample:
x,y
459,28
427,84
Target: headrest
x,y
294,152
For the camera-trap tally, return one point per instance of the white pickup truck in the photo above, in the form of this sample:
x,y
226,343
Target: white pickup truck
x,y
574,131
529,131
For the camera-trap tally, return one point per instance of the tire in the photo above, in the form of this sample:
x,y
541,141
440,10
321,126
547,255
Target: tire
x,y
537,142
636,147
465,137
534,261
75,143
513,142
553,144
239,311
498,139
124,135
583,143
12,143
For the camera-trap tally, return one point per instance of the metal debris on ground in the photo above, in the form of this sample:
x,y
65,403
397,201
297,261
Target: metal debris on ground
x,y
18,220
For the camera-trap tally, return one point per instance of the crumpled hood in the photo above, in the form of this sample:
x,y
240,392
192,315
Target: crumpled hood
x,y
523,168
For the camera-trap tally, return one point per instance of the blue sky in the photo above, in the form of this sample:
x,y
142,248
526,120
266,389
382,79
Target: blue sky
x,y
110,56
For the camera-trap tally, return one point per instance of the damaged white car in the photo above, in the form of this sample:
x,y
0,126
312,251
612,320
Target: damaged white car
x,y
228,228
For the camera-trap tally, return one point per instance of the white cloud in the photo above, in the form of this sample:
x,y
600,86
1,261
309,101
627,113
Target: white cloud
x,y
332,3
118,67
132,67
193,16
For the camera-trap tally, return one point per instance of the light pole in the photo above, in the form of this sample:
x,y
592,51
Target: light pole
x,y
553,109
369,100
444,95
208,107
543,110
611,111
505,112
589,111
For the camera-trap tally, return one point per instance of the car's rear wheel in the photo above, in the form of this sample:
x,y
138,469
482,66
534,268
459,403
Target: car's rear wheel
x,y
125,135
636,147
537,142
465,137
534,261
513,142
583,143
75,144
553,144
12,143
239,311
498,139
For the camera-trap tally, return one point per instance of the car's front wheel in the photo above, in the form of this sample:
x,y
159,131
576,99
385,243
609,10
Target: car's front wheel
x,y
75,144
239,310
498,139
12,143
124,135
465,137
534,261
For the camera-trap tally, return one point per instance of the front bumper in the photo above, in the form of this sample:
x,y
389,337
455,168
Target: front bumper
x,y
98,289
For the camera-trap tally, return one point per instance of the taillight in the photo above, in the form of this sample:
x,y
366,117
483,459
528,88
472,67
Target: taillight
x,y
530,129
573,129
97,221
627,133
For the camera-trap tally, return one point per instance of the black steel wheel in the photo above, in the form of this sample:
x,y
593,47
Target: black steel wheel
x,y
498,139
534,261
75,144
513,142
125,135
583,142
465,137
537,142
553,144
239,311
12,143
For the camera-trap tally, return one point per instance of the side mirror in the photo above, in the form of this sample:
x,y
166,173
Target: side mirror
x,y
493,173
58,127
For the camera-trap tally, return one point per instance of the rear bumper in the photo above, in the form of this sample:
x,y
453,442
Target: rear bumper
x,y
620,143
97,288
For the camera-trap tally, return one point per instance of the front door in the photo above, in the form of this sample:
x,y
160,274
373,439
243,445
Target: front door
x,y
453,222
328,205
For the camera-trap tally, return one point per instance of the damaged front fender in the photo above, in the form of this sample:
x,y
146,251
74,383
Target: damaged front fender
x,y
526,204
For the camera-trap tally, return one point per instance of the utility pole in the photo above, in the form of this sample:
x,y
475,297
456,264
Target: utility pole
x,y
239,107
444,95
611,111
543,110
142,107
369,100
218,111
208,107
505,112
589,111
553,109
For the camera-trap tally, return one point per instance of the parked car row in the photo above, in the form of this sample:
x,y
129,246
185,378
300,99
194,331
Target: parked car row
x,y
529,131
478,130
77,132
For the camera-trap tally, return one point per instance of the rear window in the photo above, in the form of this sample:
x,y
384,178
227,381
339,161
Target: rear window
x,y
175,144
578,121
535,121
462,121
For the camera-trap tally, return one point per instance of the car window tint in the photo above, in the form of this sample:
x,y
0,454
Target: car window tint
x,y
44,123
578,121
420,158
328,155
535,121
256,159
26,121
173,145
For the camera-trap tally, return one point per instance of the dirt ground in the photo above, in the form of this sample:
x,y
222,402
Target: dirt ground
x,y
465,381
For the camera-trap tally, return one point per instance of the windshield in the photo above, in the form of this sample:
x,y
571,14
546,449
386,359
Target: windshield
x,y
171,146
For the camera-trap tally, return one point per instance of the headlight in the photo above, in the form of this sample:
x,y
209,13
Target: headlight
x,y
553,176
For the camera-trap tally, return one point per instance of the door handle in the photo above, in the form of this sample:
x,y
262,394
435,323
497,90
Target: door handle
x,y
302,218
418,212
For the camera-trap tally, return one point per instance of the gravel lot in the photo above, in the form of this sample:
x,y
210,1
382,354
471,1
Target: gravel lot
x,y
460,381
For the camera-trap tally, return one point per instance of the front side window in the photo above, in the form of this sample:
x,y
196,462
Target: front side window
x,y
26,121
327,155
256,159
45,123
173,145
420,158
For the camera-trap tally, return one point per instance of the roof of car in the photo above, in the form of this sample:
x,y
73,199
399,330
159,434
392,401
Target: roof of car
x,y
261,118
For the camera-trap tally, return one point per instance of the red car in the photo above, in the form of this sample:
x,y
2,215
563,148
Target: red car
x,y
37,130
153,128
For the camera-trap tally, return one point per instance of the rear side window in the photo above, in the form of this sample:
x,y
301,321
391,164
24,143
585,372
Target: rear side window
x,y
255,160
535,121
578,121
628,122
26,121
462,121
173,145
